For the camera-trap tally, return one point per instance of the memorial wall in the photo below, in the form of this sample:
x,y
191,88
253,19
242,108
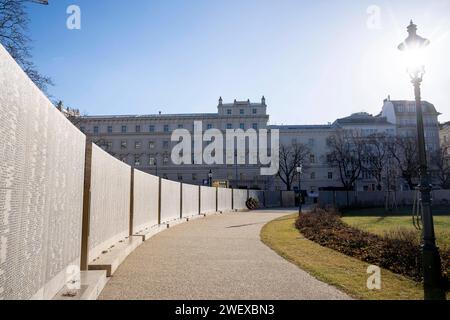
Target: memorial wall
x,y
145,201
170,200
110,202
207,200
239,199
44,172
224,199
41,189
190,203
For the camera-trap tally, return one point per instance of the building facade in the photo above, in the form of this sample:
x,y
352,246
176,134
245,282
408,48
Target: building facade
x,y
403,115
144,142
444,136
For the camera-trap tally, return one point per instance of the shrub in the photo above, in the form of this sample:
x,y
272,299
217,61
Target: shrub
x,y
398,251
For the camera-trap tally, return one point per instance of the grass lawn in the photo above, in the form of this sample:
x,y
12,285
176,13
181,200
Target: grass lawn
x,y
346,273
374,221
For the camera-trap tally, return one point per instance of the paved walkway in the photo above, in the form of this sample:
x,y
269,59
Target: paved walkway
x,y
219,257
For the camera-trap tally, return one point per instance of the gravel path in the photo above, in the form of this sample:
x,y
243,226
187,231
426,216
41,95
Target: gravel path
x,y
219,257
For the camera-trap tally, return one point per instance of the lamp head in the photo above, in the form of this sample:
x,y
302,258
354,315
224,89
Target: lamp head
x,y
300,169
413,41
414,46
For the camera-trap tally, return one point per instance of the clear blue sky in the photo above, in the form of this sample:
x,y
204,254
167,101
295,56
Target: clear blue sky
x,y
314,61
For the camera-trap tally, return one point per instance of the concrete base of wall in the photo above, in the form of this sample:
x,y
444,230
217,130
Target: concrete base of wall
x,y
111,260
194,218
150,232
174,223
92,284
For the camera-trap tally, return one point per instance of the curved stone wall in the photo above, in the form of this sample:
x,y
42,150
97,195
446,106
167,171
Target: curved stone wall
x,y
239,199
145,201
41,189
207,199
65,202
190,203
224,199
170,200
110,202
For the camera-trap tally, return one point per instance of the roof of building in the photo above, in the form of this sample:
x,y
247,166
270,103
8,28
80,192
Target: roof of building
x,y
445,125
426,106
302,127
361,118
151,116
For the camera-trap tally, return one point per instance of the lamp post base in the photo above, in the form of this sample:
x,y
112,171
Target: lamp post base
x,y
433,283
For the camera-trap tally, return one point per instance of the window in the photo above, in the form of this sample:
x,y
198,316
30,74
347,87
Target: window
x,y
151,161
138,129
151,145
229,126
241,112
166,160
137,144
165,144
194,177
151,129
255,126
137,160
312,158
180,177
123,144
110,129
229,112
330,175
242,126
96,130
109,145
209,126
166,128
329,158
180,126
313,175
124,129
311,142
254,111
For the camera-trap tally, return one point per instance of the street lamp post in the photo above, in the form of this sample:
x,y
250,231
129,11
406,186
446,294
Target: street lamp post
x,y
210,175
433,282
299,173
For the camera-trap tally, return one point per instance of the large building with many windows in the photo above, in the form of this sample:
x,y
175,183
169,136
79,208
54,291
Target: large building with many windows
x,y
444,136
144,142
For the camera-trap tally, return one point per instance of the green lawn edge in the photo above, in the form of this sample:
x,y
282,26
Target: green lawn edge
x,y
329,266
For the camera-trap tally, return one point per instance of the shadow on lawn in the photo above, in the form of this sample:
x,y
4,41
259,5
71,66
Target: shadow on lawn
x,y
382,213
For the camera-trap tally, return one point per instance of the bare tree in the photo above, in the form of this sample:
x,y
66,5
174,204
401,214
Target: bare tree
x,y
377,155
13,35
346,152
404,152
291,157
440,161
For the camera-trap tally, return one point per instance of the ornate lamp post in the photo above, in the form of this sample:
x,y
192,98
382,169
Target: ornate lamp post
x,y
299,173
210,175
413,46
